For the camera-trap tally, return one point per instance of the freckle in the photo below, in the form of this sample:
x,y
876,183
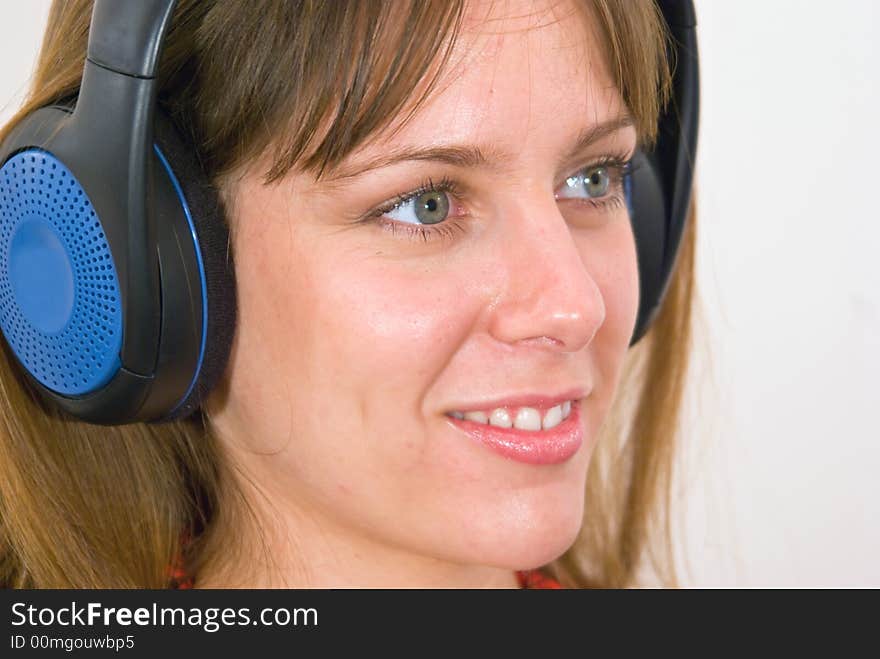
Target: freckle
x,y
344,489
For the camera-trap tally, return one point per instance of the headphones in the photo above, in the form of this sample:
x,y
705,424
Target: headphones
x,y
117,297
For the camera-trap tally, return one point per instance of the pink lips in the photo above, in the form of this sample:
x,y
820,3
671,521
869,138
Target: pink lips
x,y
539,447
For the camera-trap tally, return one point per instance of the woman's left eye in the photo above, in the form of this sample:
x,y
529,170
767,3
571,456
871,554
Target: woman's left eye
x,y
589,183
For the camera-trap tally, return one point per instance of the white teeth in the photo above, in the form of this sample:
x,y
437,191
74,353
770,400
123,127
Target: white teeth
x,y
528,418
553,417
479,417
501,418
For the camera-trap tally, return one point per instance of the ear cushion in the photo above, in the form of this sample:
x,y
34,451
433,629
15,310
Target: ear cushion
x,y
649,224
213,240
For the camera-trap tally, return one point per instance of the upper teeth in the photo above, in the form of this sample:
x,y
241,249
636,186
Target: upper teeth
x,y
526,418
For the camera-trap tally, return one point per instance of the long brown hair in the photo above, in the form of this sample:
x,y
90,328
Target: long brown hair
x,y
88,506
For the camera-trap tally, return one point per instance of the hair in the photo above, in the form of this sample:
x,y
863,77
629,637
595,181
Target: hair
x,y
88,506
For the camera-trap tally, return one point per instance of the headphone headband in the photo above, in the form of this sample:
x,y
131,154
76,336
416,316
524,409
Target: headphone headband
x,y
126,36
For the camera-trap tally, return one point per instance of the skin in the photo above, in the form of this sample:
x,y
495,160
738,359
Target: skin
x,y
353,342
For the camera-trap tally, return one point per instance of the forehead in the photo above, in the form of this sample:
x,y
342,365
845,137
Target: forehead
x,y
520,72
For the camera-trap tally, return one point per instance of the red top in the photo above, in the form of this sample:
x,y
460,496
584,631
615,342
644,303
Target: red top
x,y
533,579
528,579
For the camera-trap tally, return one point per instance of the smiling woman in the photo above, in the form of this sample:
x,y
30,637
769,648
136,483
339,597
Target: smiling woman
x,y
430,381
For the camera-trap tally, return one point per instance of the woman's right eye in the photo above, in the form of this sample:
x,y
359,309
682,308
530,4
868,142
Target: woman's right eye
x,y
433,210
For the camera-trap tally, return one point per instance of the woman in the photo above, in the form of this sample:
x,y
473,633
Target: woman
x,y
427,249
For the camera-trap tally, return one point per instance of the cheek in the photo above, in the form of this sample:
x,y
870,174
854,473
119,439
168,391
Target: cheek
x,y
338,348
393,321
612,260
377,332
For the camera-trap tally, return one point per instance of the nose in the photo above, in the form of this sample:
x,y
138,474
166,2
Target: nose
x,y
547,295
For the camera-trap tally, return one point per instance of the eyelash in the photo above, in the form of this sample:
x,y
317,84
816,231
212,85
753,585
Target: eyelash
x,y
618,165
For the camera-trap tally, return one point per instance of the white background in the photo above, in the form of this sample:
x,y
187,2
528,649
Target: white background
x,y
780,484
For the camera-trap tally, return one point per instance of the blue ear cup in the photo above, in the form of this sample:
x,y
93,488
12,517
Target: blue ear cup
x,y
59,291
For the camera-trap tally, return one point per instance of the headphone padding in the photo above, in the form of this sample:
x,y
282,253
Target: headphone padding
x,y
213,237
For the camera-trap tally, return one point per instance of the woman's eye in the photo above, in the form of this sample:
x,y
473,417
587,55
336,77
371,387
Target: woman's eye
x,y
587,184
429,207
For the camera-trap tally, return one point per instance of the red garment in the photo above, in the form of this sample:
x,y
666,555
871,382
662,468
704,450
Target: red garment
x,y
534,579
178,578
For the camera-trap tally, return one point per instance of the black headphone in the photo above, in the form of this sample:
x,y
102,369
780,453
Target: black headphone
x,y
116,294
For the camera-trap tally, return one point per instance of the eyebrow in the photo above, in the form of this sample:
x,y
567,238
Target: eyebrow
x,y
475,156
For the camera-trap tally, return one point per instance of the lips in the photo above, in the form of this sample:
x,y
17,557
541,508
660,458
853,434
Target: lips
x,y
537,447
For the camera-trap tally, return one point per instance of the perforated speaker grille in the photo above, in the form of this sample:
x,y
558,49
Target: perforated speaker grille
x,y
59,291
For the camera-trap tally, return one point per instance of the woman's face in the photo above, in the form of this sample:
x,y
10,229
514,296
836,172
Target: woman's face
x,y
358,339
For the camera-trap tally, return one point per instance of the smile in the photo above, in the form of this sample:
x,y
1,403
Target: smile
x,y
522,418
521,434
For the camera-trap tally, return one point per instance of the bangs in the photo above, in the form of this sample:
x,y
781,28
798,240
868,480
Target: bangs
x,y
390,50
311,80
634,38
267,84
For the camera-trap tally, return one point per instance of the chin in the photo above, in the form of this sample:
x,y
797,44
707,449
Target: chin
x,y
531,537
546,542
